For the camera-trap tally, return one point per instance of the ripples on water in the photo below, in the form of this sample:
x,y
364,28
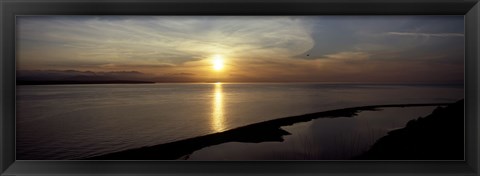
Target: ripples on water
x,y
74,121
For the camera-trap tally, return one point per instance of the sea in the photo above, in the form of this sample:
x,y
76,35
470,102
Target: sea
x,y
70,122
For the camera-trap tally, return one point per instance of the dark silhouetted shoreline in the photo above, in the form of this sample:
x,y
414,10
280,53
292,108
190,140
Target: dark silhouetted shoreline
x,y
438,136
255,133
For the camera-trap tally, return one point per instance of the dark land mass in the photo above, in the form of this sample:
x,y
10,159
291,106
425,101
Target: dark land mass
x,y
255,133
21,82
438,136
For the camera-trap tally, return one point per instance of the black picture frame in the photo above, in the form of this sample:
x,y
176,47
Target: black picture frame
x,y
12,8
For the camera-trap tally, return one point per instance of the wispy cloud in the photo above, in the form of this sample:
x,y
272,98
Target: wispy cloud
x,y
416,34
157,40
311,48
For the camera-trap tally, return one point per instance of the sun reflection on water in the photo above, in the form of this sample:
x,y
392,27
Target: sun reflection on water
x,y
218,119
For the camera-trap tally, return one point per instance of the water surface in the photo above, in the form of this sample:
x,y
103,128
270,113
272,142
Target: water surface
x,y
75,121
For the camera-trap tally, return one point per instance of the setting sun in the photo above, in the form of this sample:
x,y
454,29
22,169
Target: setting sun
x,y
218,62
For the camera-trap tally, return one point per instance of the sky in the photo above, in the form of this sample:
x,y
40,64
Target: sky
x,y
383,49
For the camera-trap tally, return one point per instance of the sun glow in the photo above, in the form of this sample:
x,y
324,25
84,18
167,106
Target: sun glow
x,y
218,62
218,118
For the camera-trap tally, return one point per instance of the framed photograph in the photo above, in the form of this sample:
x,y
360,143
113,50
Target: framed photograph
x,y
240,87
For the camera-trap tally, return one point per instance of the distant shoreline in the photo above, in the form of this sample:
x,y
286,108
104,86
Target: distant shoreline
x,y
67,82
82,82
254,133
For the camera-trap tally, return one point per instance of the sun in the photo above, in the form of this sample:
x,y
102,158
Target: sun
x,y
218,62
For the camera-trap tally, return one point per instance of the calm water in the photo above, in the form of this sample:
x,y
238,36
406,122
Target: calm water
x,y
319,139
75,121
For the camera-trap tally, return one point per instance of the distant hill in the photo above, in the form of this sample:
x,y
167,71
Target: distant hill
x,y
23,82
39,77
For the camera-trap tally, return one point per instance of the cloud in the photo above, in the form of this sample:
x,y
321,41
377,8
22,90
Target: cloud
x,y
309,48
127,66
165,40
426,34
333,34
348,56
183,74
